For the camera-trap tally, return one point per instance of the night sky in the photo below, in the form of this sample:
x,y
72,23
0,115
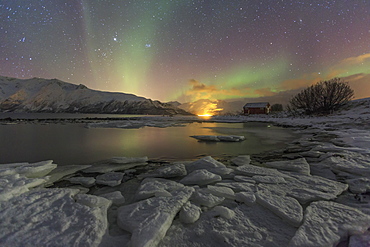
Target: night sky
x,y
186,50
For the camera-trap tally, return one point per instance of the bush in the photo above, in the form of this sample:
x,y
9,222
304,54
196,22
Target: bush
x,y
322,98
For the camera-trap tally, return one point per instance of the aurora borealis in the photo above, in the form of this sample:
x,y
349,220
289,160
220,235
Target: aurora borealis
x,y
186,50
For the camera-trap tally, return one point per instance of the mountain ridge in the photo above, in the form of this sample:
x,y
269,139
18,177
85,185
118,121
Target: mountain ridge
x,y
56,96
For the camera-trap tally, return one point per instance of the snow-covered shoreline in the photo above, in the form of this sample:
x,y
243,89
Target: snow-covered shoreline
x,y
315,192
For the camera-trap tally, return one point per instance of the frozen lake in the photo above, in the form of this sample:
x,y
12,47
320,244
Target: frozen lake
x,y
74,144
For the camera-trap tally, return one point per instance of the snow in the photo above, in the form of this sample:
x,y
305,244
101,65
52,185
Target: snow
x,y
110,178
326,223
200,177
38,94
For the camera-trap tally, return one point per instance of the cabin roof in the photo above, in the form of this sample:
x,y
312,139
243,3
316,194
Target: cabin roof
x,y
256,105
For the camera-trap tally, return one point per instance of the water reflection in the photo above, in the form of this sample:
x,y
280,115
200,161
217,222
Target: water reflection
x,y
75,144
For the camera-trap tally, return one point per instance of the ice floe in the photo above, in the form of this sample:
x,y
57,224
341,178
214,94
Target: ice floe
x,y
84,181
241,160
117,164
116,197
204,163
150,187
176,170
286,207
200,177
298,165
110,178
149,220
221,191
203,197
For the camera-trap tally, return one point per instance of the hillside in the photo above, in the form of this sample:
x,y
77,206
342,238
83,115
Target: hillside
x,y
53,95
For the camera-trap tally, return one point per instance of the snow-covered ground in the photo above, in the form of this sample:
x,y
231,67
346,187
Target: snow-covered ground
x,y
315,192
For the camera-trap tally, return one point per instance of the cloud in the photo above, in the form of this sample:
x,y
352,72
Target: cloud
x,y
347,69
360,83
304,81
355,60
200,90
200,87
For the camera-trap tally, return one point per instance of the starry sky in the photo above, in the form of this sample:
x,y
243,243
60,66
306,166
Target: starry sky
x,y
187,50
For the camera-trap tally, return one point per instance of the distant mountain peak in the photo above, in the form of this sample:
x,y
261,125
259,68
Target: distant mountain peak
x,y
53,95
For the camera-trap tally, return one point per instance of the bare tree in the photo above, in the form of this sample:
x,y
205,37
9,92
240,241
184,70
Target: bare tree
x,y
323,97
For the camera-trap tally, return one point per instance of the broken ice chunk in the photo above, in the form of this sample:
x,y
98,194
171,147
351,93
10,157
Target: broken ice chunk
x,y
247,198
326,223
189,213
149,220
286,207
111,179
150,187
221,191
200,177
84,181
205,198
224,212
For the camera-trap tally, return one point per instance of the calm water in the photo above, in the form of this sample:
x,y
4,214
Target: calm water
x,y
74,144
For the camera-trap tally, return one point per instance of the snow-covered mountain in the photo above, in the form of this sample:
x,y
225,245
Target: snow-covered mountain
x,y
52,95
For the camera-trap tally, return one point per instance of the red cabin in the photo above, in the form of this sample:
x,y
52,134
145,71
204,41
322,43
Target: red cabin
x,y
257,108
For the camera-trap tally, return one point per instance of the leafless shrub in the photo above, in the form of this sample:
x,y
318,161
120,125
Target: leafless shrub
x,y
323,97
